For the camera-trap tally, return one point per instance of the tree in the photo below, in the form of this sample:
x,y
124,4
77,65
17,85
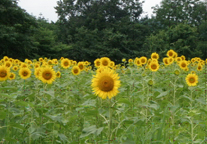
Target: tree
x,y
170,13
101,28
183,39
16,31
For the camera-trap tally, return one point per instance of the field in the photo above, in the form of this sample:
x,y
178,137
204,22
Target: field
x,y
154,104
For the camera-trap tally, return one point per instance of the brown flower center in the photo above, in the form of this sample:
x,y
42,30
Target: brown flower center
x,y
106,83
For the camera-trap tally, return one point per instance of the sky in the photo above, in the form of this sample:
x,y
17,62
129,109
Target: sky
x,y
46,8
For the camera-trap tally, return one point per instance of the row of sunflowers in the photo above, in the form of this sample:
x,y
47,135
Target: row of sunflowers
x,y
106,81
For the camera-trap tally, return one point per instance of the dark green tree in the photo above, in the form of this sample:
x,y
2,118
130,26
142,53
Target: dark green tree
x,y
16,29
183,39
101,28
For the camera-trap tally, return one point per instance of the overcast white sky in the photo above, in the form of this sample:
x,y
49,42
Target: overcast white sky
x,y
46,7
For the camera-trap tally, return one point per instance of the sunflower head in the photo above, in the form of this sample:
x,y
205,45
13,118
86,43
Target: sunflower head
x,y
176,72
154,56
47,75
165,61
183,64
150,82
25,73
76,70
106,83
81,65
191,79
4,73
143,60
105,61
58,74
154,66
199,68
65,63
11,76
170,53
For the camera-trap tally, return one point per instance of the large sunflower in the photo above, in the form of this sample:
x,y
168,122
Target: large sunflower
x,y
143,60
76,70
154,66
191,79
4,73
47,75
154,56
166,61
81,65
170,53
137,61
105,61
106,83
183,64
25,73
65,63
11,76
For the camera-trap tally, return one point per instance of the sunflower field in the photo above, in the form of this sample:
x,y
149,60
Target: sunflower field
x,y
140,101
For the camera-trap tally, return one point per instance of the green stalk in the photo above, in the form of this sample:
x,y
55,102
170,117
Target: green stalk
x,y
109,123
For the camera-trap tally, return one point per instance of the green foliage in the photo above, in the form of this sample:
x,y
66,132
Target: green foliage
x,y
182,38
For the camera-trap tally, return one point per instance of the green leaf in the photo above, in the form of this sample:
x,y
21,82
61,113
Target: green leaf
x,y
89,130
162,94
124,100
2,115
63,137
16,125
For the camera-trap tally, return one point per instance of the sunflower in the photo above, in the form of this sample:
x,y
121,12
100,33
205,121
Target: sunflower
x,y
193,72
15,68
105,61
193,60
170,53
183,64
191,79
123,60
170,60
24,65
47,75
75,70
58,74
106,83
41,59
4,72
154,56
165,61
37,72
183,57
150,82
74,62
143,60
5,58
137,61
112,64
16,61
176,72
36,65
199,68
81,66
130,60
50,62
154,66
55,61
11,76
25,73
65,63
8,64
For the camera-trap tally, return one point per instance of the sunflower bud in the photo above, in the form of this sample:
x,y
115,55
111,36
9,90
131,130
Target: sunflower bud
x,y
150,82
176,72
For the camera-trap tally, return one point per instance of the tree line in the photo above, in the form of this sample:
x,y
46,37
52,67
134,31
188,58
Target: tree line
x,y
90,29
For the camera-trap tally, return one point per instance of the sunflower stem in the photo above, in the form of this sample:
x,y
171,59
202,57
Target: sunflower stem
x,y
109,123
